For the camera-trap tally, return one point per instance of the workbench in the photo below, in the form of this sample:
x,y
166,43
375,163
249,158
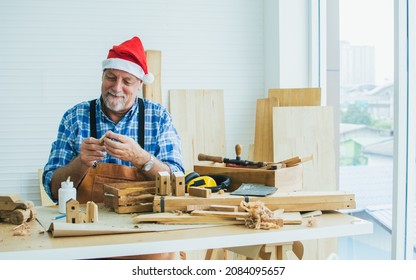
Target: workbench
x,y
40,244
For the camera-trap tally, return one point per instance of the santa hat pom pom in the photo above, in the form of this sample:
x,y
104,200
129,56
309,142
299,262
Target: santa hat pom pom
x,y
148,78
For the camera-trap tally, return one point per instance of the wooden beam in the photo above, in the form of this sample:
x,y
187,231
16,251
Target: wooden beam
x,y
153,91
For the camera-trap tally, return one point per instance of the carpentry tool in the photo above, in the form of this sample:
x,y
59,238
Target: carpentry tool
x,y
212,182
219,159
238,162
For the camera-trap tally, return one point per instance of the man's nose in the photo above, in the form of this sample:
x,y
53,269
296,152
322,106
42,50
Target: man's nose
x,y
118,85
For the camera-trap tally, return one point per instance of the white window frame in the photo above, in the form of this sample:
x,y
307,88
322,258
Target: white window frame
x,y
404,180
404,130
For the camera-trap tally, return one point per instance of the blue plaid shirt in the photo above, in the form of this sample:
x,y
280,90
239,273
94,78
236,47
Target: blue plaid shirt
x,y
160,137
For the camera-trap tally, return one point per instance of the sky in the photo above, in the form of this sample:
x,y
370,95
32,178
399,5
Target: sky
x,y
370,22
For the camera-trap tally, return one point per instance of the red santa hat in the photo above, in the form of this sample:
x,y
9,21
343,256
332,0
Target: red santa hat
x,y
129,56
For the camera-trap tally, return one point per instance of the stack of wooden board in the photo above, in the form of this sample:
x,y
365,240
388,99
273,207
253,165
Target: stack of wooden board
x,y
291,122
130,197
263,139
289,201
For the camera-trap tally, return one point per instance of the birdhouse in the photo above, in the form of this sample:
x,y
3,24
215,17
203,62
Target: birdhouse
x,y
72,212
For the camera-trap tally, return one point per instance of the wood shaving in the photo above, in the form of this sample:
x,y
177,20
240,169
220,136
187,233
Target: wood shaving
x,y
221,192
259,216
312,222
178,212
21,230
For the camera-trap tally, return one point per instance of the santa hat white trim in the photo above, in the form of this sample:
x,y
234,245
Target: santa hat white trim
x,y
128,66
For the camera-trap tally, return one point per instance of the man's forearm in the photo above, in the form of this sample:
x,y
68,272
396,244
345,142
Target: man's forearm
x,y
75,169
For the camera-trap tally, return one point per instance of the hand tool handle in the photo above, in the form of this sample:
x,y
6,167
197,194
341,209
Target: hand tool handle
x,y
238,151
210,158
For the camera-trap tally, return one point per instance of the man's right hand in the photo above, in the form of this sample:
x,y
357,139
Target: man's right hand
x,y
91,151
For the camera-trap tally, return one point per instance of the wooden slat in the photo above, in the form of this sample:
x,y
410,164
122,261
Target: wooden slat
x,y
263,137
296,96
154,64
131,200
290,202
224,208
145,207
169,218
221,214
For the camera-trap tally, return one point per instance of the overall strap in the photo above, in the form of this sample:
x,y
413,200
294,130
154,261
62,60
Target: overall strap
x,y
141,122
93,125
140,112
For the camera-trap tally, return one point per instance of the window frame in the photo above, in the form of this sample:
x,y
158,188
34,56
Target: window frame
x,y
324,15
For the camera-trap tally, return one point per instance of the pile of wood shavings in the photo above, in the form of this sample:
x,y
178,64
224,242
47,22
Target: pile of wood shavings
x,y
21,230
259,215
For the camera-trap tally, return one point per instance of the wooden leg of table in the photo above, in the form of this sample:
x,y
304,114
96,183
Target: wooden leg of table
x,y
263,254
208,255
281,250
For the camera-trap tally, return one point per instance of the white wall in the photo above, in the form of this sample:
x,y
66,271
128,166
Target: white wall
x,y
287,44
51,53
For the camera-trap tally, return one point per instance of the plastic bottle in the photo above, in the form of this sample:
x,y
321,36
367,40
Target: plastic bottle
x,y
65,193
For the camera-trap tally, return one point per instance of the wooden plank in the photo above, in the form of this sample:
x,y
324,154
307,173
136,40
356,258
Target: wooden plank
x,y
313,135
138,208
198,116
130,187
296,96
173,219
131,200
153,91
291,218
263,137
290,201
221,214
225,208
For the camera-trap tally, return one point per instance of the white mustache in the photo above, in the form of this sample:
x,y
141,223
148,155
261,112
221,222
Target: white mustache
x,y
115,94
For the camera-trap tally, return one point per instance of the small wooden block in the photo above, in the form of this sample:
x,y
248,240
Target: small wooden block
x,y
163,183
224,208
92,212
199,192
178,184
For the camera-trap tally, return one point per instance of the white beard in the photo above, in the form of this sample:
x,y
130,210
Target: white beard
x,y
115,104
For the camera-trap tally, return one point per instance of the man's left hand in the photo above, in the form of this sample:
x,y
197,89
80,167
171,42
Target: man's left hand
x,y
125,148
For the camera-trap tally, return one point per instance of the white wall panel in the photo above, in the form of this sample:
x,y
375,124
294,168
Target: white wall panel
x,y
51,53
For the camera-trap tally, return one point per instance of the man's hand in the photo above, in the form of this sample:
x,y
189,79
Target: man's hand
x,y
91,151
125,148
